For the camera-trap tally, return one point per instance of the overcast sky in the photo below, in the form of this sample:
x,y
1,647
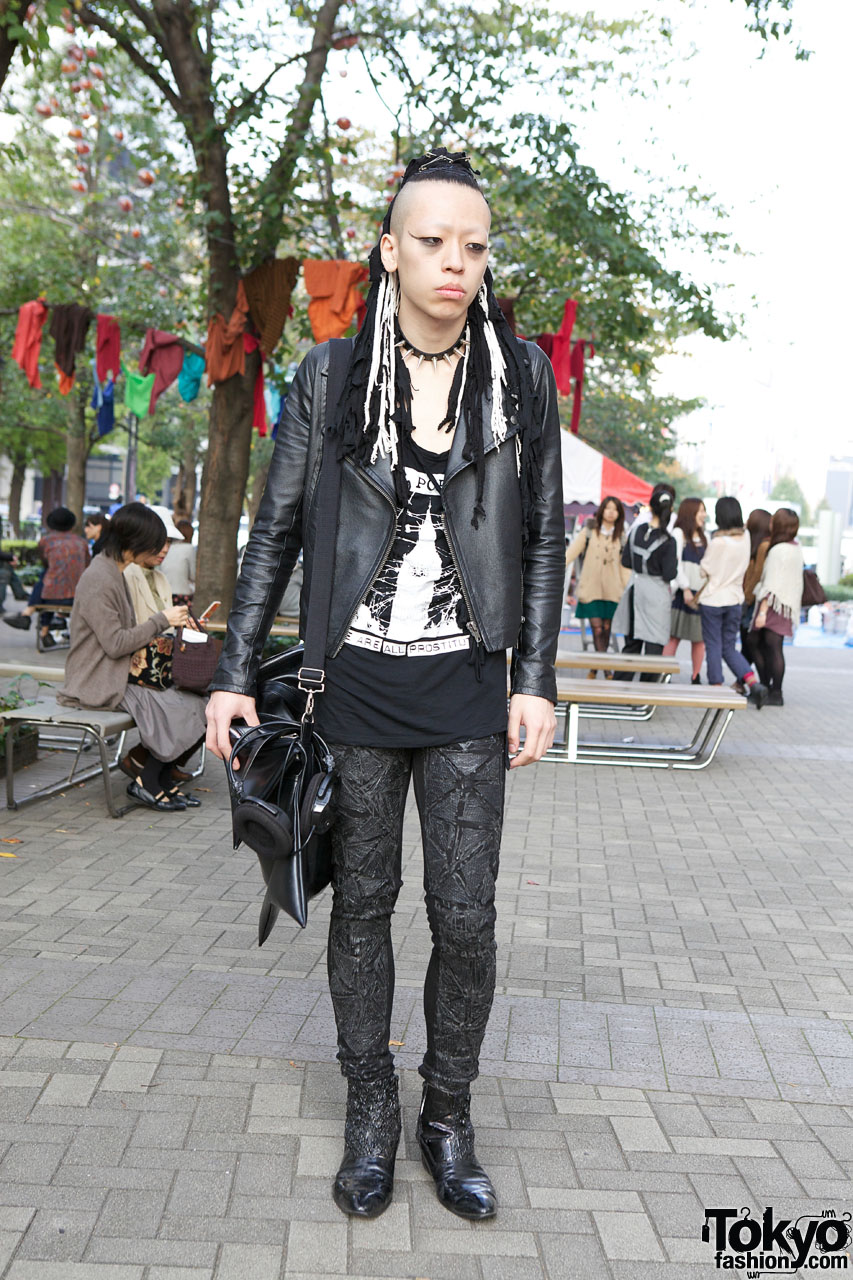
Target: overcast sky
x,y
768,136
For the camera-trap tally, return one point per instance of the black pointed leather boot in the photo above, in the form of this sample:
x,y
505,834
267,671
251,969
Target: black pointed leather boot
x,y
364,1185
446,1138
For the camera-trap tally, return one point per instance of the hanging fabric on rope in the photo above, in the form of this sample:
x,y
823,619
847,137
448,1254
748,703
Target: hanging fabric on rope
x,y
189,379
558,349
561,356
272,400
163,355
108,347
259,408
507,306
334,292
137,392
268,290
577,370
103,401
27,345
225,355
69,324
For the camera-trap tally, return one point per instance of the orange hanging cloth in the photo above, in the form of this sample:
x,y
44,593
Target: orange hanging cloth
x,y
333,289
224,354
268,289
25,352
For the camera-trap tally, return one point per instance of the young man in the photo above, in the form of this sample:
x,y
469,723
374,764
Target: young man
x,y
449,551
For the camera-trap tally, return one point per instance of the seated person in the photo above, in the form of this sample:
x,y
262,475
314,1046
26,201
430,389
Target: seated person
x,y
65,555
118,661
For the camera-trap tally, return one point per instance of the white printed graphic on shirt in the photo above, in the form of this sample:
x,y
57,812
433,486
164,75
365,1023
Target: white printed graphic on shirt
x,y
413,607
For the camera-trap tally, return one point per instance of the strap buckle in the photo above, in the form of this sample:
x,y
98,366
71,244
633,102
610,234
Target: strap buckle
x,y
311,679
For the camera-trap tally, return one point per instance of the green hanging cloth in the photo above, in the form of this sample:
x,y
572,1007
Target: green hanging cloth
x,y
137,391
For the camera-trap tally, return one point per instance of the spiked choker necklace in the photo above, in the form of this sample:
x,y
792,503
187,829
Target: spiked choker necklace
x,y
407,351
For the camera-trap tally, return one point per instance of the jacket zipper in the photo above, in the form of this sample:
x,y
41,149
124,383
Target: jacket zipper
x,y
472,623
385,556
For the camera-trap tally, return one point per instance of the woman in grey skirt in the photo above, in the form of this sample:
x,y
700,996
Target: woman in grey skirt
x,y
115,660
691,542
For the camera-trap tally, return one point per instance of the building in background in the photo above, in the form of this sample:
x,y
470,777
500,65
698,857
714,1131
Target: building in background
x,y
839,488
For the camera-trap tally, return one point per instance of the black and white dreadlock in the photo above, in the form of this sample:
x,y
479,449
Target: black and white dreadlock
x,y
374,412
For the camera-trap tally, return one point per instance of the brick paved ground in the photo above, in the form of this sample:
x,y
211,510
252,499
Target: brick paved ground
x,y
672,1028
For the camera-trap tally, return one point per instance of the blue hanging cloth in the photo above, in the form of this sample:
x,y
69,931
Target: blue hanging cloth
x,y
189,379
103,402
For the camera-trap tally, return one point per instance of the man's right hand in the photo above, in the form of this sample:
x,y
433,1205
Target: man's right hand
x,y
222,708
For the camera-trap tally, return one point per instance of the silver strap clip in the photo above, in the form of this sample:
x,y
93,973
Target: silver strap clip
x,y
311,679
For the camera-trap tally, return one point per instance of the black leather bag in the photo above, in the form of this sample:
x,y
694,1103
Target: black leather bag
x,y
282,794
282,802
813,592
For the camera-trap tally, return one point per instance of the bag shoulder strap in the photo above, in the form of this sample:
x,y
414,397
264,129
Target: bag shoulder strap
x,y
312,672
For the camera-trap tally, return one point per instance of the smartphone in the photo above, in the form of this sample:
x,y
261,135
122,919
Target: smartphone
x,y
211,608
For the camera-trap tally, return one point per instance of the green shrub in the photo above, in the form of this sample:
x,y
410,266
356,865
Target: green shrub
x,y
25,549
846,581
841,591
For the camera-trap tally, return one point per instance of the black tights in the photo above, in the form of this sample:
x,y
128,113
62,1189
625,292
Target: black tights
x,y
459,791
600,634
769,657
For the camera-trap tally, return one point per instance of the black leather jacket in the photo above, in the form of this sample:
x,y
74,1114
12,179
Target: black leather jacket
x,y
513,604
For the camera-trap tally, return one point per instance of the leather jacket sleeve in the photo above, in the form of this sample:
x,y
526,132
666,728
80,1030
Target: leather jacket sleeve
x,y
275,539
545,555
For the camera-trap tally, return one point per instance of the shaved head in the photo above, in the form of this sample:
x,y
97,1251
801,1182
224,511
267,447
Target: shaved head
x,y
424,198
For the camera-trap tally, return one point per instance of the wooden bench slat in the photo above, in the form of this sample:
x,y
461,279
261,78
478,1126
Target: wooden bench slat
x,y
625,693
618,662
53,675
49,711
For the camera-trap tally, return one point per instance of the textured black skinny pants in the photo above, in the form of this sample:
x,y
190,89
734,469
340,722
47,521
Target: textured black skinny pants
x,y
459,791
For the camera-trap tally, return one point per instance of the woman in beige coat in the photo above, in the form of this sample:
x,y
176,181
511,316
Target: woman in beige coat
x,y
602,579
112,650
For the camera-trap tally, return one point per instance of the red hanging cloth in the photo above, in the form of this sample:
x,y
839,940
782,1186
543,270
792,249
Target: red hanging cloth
x,y
25,352
576,366
108,348
259,407
561,355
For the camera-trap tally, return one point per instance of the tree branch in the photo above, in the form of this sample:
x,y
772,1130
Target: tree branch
x,y
237,108
87,14
279,179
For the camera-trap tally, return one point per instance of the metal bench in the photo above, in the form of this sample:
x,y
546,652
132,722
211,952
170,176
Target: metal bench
x,y
717,706
102,729
94,727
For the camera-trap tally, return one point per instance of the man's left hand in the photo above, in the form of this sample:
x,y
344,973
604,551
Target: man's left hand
x,y
540,724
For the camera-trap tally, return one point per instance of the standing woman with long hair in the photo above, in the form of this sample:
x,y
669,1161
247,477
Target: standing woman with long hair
x,y
778,597
724,565
689,534
603,578
643,613
758,528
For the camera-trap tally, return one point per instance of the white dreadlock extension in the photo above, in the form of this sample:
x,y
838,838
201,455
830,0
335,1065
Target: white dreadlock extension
x,y
498,370
382,365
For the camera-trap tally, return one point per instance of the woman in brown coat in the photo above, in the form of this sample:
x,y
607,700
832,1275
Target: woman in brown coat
x,y
111,653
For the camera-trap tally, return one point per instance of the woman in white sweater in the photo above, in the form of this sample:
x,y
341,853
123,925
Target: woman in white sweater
x,y
778,599
723,566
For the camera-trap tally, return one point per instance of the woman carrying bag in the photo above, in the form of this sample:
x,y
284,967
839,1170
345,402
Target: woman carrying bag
x,y
689,534
643,614
603,577
724,565
117,660
778,597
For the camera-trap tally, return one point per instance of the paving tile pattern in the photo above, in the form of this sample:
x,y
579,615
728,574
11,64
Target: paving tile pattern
x,y
673,1027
